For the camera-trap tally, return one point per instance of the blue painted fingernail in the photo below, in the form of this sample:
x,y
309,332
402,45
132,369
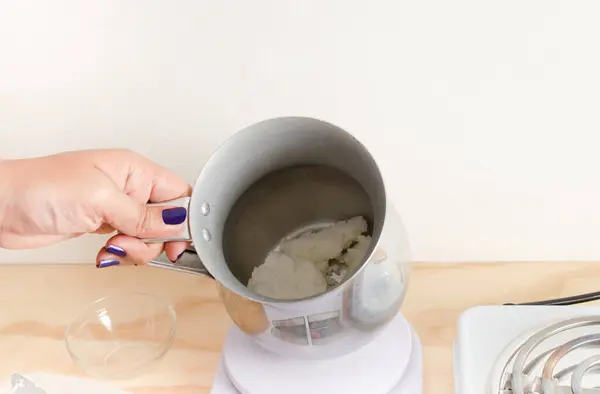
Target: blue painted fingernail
x,y
116,250
177,258
174,215
108,263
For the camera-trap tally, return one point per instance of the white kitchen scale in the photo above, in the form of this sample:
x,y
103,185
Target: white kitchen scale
x,y
390,364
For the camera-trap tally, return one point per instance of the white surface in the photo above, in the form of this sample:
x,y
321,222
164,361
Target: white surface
x,y
484,332
483,115
58,384
340,376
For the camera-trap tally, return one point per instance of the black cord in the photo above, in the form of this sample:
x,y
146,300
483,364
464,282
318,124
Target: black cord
x,y
572,300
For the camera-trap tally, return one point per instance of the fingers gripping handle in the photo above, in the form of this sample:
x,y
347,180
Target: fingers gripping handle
x,y
184,235
189,262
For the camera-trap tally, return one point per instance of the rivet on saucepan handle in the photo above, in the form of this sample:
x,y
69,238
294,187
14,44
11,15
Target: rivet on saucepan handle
x,y
205,208
206,235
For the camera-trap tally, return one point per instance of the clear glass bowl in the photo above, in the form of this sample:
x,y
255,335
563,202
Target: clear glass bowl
x,y
120,336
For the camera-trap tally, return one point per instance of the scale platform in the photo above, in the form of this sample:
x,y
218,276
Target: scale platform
x,y
391,364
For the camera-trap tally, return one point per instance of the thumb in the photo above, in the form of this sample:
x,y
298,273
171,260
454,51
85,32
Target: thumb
x,y
145,221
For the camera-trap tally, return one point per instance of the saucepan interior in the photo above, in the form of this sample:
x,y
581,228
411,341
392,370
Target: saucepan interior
x,y
286,203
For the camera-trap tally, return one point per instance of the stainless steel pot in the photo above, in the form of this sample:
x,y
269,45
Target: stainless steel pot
x,y
280,177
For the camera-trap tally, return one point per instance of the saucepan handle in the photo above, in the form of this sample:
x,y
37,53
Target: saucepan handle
x,y
189,263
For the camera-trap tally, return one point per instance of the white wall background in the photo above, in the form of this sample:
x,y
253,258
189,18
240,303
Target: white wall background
x,y
485,115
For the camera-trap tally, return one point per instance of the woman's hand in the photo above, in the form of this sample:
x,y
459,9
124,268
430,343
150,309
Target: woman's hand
x,y
50,199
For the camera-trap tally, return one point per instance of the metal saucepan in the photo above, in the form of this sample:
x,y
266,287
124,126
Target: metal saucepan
x,y
283,176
